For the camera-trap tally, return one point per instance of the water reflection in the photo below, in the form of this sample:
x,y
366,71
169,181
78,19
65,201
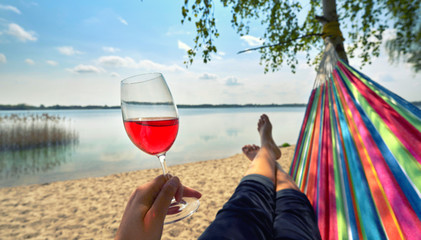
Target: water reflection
x,y
232,132
207,138
29,161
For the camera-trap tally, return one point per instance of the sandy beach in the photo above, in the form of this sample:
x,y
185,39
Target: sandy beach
x,y
91,208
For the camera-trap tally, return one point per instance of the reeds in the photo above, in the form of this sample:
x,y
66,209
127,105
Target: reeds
x,y
32,143
29,131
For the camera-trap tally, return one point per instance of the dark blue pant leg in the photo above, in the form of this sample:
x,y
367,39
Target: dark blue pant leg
x,y
294,216
248,214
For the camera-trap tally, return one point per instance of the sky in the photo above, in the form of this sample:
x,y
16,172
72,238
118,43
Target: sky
x,y
77,52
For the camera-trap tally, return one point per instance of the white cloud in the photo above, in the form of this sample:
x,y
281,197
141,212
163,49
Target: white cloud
x,y
232,81
81,68
389,34
218,55
117,61
20,33
2,58
153,66
128,62
51,62
122,21
9,8
110,49
29,61
252,41
114,74
208,76
183,46
68,50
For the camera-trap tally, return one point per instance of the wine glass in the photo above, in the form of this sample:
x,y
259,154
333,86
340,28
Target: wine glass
x,y
150,118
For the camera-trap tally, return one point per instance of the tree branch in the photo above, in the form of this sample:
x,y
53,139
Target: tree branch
x,y
274,45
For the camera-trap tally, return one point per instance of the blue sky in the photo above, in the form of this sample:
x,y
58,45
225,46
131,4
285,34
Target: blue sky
x,y
77,52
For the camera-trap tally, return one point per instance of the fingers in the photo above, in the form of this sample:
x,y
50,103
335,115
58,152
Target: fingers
x,y
183,191
158,193
146,193
190,192
179,194
162,202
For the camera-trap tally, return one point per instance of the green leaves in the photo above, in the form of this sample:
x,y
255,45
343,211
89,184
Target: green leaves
x,y
363,23
202,15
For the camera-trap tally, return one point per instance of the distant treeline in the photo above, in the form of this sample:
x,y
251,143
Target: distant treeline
x,y
59,107
54,107
241,105
417,103
88,107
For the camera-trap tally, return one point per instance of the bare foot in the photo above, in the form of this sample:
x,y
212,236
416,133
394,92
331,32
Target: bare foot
x,y
250,151
265,130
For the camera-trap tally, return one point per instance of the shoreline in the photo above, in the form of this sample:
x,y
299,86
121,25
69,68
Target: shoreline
x,y
91,208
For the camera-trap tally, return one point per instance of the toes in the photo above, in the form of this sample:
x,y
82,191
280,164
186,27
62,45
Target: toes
x,y
246,148
262,120
249,147
255,148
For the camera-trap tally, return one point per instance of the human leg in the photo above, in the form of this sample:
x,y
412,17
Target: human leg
x,y
294,215
264,161
249,212
284,180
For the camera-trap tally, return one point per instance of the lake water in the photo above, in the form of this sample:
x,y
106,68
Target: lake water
x,y
104,148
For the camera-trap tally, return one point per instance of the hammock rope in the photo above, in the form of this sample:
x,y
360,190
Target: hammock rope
x,y
331,29
358,156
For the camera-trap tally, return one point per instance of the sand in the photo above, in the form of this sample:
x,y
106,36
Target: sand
x,y
91,208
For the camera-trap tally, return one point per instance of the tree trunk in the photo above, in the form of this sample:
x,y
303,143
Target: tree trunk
x,y
330,15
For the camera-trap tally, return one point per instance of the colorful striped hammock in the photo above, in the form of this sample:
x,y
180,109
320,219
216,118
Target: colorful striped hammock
x,y
358,157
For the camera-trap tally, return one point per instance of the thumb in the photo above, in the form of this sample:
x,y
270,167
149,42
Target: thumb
x,y
163,200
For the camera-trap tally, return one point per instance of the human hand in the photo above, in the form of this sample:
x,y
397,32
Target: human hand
x,y
147,207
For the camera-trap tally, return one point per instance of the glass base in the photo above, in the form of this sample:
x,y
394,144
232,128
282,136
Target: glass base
x,y
180,210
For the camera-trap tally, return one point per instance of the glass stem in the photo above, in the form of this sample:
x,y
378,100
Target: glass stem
x,y
163,164
165,169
